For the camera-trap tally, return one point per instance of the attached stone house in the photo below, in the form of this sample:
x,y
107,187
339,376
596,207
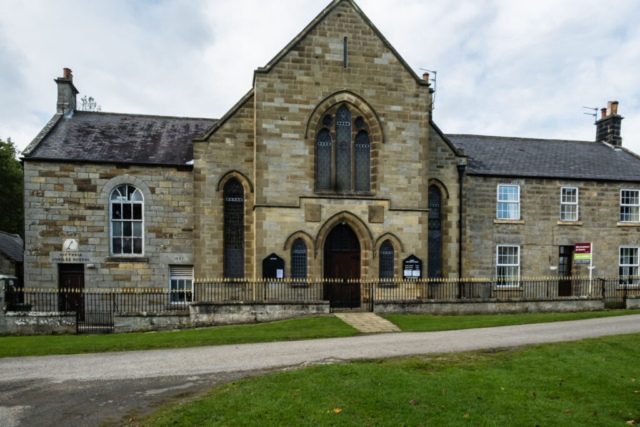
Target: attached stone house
x,y
332,166
11,255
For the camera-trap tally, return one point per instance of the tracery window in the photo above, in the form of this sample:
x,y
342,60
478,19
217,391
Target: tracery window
x,y
299,260
126,215
350,155
233,229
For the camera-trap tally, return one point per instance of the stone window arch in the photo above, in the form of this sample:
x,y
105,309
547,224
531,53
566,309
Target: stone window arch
x,y
233,238
126,216
386,260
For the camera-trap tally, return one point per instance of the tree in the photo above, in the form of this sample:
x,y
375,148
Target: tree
x,y
10,189
89,104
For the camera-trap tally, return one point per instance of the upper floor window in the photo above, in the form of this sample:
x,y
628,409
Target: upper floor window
x,y
508,264
569,204
630,206
509,202
299,260
126,207
346,165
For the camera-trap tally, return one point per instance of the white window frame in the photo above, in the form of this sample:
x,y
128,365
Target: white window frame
x,y
621,205
110,219
507,285
508,202
633,282
576,204
180,277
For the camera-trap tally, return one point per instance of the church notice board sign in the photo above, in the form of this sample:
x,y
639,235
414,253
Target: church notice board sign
x,y
273,267
412,268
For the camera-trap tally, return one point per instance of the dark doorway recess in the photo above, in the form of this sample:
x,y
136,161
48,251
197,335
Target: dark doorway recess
x,y
342,264
71,281
565,270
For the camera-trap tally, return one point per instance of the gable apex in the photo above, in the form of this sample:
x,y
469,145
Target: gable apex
x,y
334,4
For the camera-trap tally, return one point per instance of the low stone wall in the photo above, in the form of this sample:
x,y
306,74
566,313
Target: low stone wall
x,y
489,306
227,313
38,323
145,322
633,302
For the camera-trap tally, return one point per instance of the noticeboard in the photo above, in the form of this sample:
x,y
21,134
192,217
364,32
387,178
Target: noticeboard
x,y
412,268
273,267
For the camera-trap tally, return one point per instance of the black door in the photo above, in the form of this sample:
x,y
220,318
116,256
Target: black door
x,y
71,283
435,233
342,265
565,264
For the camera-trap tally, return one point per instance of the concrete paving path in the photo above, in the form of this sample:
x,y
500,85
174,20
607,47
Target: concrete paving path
x,y
368,323
89,389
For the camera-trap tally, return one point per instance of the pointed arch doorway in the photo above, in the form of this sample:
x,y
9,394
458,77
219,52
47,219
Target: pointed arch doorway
x,y
342,258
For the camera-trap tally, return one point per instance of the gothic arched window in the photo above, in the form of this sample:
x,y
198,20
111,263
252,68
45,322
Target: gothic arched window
x,y
350,156
434,269
233,229
363,162
386,260
343,150
299,260
127,223
324,152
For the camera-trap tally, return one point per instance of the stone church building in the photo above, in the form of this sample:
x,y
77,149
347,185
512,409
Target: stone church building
x,y
331,163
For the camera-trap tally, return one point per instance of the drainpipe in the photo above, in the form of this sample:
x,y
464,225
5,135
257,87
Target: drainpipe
x,y
461,168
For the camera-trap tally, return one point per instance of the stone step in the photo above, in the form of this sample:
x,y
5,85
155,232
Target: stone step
x,y
368,323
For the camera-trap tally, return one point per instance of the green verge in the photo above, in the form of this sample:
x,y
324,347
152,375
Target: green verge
x,y
422,323
589,382
288,330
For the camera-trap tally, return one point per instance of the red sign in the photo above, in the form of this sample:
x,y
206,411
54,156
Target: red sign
x,y
583,248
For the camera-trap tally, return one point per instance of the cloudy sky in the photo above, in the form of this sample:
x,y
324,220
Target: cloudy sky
x,y
513,68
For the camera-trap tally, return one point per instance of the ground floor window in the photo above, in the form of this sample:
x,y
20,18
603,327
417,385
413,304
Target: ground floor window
x,y
181,283
628,267
508,265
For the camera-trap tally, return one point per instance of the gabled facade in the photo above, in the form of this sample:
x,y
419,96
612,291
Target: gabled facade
x,y
332,164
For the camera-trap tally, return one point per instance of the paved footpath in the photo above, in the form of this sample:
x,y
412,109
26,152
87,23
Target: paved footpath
x,y
368,323
87,389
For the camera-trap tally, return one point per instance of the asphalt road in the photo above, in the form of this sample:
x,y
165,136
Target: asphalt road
x,y
93,388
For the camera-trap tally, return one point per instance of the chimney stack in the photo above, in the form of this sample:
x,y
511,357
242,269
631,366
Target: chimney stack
x,y
609,126
66,93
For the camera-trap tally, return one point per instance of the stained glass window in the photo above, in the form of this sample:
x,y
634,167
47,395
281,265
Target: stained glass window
x,y
435,233
363,162
127,223
323,166
386,260
299,260
343,153
233,229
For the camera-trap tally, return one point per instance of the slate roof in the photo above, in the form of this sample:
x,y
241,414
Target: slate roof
x,y
121,138
546,158
11,246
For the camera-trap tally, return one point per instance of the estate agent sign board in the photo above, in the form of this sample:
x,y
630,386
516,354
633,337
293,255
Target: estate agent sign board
x,y
582,253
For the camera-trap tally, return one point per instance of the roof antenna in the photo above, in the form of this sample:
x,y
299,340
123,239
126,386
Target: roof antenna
x,y
595,113
435,86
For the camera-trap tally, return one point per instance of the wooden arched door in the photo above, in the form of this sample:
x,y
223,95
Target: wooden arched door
x,y
342,263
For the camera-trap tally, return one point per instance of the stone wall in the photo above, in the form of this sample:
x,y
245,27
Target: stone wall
x,y
70,200
633,302
539,233
146,322
486,307
38,323
7,266
213,314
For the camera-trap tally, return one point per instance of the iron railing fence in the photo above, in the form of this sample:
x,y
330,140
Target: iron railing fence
x,y
346,293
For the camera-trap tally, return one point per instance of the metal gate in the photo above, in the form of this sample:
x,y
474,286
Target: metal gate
x,y
349,295
615,291
95,313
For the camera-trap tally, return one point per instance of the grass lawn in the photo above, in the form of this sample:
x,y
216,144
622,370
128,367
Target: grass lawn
x,y
590,382
421,323
288,330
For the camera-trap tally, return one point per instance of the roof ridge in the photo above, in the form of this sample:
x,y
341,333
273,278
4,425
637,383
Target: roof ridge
x,y
9,234
520,138
152,116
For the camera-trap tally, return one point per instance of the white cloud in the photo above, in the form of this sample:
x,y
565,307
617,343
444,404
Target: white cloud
x,y
504,67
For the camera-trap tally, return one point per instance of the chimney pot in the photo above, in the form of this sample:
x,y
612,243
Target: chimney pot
x,y
66,74
614,107
425,77
604,112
